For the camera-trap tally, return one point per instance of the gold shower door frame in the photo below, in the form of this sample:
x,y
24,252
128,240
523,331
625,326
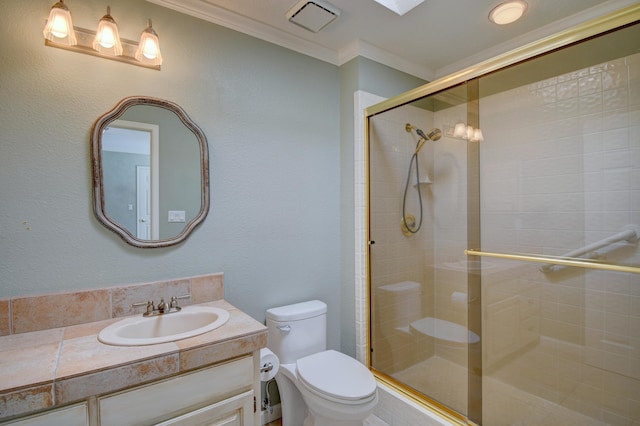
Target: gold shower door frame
x,y
470,76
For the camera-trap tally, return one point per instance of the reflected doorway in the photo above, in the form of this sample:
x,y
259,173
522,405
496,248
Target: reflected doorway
x,y
130,161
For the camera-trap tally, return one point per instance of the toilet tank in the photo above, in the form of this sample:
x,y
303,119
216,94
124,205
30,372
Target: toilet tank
x,y
297,330
399,304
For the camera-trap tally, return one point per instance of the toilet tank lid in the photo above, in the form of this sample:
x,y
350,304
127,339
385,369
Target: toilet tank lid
x,y
297,311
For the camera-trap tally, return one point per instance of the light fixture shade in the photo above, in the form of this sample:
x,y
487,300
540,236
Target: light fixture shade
x,y
107,39
460,131
149,47
508,12
470,131
59,27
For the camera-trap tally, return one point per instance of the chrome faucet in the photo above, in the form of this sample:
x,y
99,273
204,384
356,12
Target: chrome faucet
x,y
163,307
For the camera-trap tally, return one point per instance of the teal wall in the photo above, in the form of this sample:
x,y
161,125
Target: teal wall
x,y
281,165
370,76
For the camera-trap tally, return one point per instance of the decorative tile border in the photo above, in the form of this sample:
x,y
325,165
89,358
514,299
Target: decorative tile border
x,y
43,312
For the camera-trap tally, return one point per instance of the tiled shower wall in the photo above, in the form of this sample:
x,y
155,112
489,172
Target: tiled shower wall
x,y
396,258
450,229
560,168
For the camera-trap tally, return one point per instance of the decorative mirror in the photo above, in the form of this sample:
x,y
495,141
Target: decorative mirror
x,y
150,172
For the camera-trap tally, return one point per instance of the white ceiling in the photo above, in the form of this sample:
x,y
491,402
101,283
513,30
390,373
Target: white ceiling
x,y
435,39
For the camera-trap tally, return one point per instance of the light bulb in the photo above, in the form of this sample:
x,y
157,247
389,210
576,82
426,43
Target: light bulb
x,y
106,38
149,47
460,131
60,27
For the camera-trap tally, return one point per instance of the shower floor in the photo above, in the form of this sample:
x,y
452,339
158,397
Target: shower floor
x,y
503,403
443,380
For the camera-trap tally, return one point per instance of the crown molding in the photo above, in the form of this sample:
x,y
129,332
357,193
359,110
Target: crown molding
x,y
206,11
362,48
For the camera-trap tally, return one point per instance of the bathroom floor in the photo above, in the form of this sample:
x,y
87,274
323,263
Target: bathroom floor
x,y
275,423
441,379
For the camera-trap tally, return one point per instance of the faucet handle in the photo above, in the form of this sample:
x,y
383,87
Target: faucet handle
x,y
148,304
174,300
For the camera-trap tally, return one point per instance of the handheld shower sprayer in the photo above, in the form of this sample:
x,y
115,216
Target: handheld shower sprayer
x,y
408,224
433,135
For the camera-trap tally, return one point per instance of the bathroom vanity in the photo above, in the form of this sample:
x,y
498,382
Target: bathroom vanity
x,y
66,376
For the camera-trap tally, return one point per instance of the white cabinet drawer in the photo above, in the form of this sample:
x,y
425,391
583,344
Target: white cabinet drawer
x,y
173,397
74,415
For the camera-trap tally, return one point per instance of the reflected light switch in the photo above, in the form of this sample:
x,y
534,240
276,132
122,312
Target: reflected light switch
x,y
176,216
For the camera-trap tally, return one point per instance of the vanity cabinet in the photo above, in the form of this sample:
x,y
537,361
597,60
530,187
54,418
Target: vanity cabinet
x,y
233,411
73,415
220,395
511,325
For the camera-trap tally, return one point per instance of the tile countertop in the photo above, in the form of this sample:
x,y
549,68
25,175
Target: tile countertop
x,y
49,368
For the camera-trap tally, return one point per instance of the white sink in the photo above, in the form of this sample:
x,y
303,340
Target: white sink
x,y
190,321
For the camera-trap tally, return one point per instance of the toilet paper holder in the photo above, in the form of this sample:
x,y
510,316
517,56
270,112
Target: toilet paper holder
x,y
266,367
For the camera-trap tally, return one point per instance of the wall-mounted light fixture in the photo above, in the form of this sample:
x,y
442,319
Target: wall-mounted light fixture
x,y
462,131
105,42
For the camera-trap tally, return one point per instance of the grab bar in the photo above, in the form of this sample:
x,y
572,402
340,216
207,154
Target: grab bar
x,y
630,234
555,261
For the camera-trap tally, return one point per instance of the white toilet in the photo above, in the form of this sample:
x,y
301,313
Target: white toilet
x,y
318,387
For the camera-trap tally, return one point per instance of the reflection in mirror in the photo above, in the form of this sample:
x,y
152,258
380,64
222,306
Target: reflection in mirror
x,y
129,156
151,173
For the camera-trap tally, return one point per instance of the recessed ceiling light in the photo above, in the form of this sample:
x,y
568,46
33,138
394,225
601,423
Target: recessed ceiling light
x,y
400,6
508,12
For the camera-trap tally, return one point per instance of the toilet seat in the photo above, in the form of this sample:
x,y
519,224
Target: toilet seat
x,y
336,377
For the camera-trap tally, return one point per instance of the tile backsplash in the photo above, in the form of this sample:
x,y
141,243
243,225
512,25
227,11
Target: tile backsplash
x,y
42,312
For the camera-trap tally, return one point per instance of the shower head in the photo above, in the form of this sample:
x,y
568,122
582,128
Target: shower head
x,y
433,135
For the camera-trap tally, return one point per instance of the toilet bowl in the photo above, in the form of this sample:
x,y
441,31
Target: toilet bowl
x,y
318,387
337,389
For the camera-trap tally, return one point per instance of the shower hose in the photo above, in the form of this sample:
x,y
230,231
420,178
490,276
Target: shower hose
x,y
411,227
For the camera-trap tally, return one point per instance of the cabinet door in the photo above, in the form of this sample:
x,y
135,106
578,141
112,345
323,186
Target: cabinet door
x,y
171,397
74,415
501,330
234,411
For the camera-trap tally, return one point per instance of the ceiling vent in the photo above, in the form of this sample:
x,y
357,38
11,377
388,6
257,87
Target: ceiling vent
x,y
313,15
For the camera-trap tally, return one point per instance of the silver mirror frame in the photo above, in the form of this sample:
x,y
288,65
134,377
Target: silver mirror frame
x,y
98,182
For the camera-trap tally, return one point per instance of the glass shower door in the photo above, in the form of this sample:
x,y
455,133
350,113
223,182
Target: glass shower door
x,y
504,256
418,220
560,178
